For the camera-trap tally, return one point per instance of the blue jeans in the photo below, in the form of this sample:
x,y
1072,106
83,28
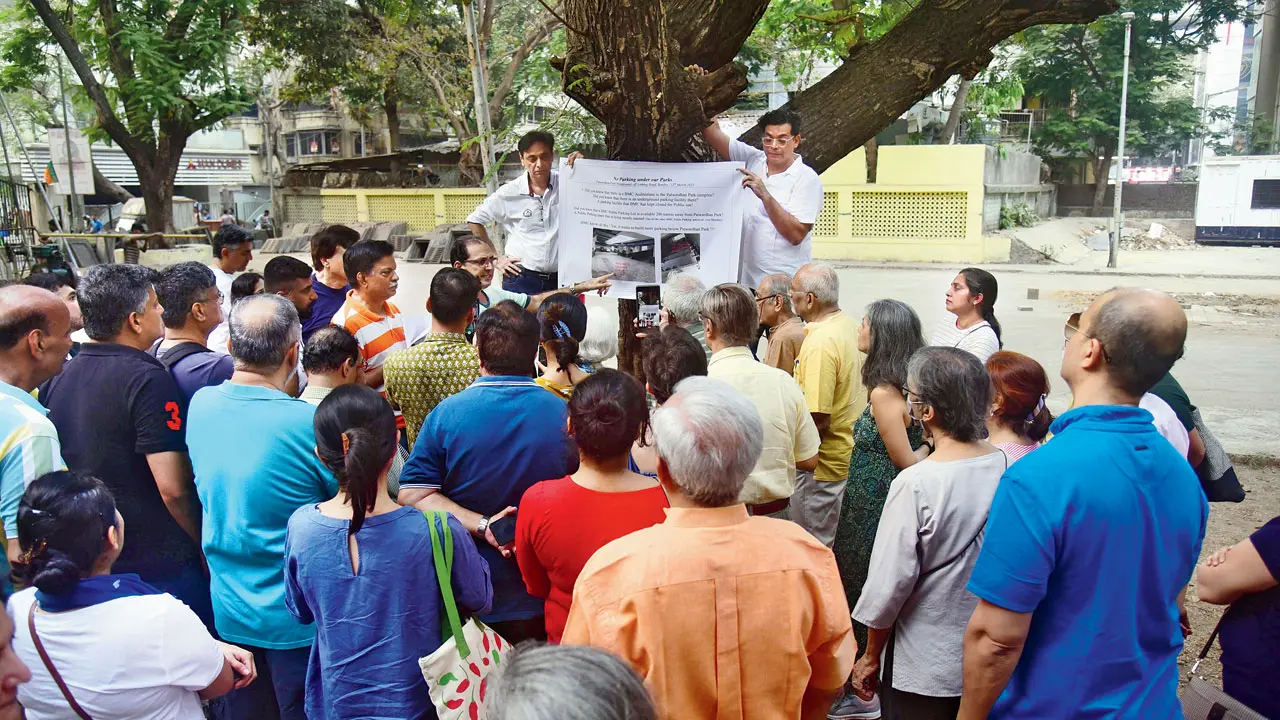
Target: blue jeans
x,y
531,282
279,693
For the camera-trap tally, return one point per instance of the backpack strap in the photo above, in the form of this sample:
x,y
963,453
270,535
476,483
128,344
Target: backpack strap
x,y
179,352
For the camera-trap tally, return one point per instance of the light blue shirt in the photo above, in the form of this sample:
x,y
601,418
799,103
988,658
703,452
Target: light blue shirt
x,y
29,448
253,453
1094,534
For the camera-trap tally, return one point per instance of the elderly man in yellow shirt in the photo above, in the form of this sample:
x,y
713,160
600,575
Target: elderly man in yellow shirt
x,y
724,615
790,437
829,371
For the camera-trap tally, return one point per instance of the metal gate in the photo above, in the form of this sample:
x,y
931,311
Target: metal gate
x,y
16,230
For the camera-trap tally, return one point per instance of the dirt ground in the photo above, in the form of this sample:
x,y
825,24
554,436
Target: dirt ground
x,y
1229,523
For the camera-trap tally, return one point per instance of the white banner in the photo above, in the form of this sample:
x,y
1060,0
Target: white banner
x,y
643,221
80,164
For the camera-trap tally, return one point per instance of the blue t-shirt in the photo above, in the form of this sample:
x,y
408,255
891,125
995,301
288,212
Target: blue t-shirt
x,y
253,452
482,448
1095,533
199,370
374,624
1251,635
328,301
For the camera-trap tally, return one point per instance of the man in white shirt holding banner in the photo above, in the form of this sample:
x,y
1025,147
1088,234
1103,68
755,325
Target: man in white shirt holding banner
x,y
786,197
527,209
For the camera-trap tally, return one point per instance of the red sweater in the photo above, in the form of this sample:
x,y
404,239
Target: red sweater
x,y
561,525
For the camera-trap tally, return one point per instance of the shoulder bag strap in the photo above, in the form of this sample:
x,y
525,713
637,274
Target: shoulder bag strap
x,y
442,556
972,540
48,664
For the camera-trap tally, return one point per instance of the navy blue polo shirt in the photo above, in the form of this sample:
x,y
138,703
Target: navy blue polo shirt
x,y
482,448
113,406
1251,634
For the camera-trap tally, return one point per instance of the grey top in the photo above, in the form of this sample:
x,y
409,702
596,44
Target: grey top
x,y
928,540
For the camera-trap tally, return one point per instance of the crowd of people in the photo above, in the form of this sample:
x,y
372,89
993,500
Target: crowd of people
x,y
795,511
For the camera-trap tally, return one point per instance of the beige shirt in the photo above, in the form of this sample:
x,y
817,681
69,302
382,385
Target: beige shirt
x,y
789,432
725,616
784,345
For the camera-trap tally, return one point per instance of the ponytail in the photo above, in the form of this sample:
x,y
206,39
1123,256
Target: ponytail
x,y
356,439
1036,426
983,283
563,324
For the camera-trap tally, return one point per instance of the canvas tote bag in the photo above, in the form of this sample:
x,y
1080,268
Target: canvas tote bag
x,y
457,672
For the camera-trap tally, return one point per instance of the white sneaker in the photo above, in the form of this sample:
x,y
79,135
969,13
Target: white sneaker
x,y
852,707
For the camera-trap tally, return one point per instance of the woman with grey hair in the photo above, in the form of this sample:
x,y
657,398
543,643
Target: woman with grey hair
x,y
567,682
914,601
885,441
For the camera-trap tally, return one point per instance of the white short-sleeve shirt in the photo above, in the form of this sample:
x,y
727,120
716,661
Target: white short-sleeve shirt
x,y
799,191
532,223
980,339
219,335
1167,422
144,657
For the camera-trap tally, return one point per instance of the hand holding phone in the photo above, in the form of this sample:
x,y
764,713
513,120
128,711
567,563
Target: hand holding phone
x,y
649,299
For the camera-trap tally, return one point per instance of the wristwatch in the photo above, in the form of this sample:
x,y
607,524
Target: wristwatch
x,y
482,526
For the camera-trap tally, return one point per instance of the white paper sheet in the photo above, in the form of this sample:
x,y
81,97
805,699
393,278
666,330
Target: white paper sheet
x,y
644,221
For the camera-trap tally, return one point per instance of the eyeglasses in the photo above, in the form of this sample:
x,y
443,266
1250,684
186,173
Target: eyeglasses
x,y
767,298
908,392
767,141
1072,327
483,262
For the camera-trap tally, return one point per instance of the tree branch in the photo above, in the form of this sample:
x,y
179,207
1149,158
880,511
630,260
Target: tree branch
x,y
535,35
1088,61
181,20
485,32
107,119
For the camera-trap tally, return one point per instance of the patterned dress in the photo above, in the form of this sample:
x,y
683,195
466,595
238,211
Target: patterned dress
x,y
870,472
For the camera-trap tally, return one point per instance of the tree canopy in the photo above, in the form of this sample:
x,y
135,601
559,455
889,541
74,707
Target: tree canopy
x,y
1077,71
155,72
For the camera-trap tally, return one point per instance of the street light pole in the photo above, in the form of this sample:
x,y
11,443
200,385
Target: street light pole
x,y
1124,103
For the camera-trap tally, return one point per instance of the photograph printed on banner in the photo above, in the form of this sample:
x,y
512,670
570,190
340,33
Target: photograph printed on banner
x,y
629,256
680,253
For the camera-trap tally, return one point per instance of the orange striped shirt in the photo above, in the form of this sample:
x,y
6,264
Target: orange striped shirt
x,y
377,335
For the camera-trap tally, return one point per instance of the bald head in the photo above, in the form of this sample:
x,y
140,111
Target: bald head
x,y
35,335
263,329
24,308
819,279
1143,333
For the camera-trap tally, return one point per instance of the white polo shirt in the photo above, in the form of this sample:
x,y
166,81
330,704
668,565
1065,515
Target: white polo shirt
x,y
531,222
799,191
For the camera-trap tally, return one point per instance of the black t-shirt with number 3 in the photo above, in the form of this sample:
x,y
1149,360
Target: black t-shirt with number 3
x,y
113,405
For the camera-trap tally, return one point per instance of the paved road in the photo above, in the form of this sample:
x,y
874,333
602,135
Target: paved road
x,y
1230,365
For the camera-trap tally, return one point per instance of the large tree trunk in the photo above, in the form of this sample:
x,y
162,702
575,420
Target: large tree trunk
x,y
629,64
957,111
1101,168
883,79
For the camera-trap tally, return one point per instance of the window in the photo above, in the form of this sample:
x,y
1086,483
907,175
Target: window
x,y
291,146
1266,194
357,144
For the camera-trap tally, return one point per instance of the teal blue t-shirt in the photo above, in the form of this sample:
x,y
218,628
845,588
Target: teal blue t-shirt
x,y
253,453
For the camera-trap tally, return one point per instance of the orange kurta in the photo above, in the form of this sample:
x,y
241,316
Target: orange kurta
x,y
725,616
